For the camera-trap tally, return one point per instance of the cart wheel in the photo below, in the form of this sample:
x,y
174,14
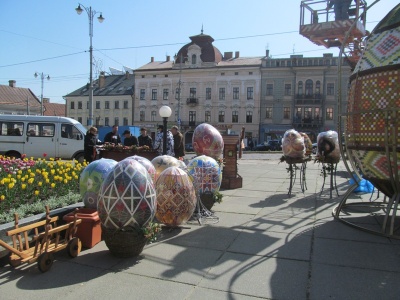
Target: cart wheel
x,y
14,262
5,260
45,261
74,247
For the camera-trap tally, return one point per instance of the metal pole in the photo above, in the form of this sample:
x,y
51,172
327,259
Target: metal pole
x,y
90,120
179,93
41,95
165,136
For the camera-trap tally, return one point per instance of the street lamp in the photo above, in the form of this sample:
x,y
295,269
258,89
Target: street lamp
x,y
165,112
42,76
91,13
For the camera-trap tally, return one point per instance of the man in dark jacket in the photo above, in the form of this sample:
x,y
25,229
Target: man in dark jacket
x,y
130,140
113,136
89,144
179,147
144,139
341,8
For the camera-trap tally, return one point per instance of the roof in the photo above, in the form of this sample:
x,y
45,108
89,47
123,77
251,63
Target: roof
x,y
114,85
209,53
17,96
156,65
241,61
54,109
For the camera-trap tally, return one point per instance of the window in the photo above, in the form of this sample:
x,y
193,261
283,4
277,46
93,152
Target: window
x,y
249,117
270,89
329,113
221,93
298,114
236,73
192,118
177,93
208,93
125,122
235,116
142,76
80,119
300,88
318,87
87,104
97,121
194,59
116,104
221,117
288,89
107,105
12,128
330,89
153,115
286,112
235,93
307,114
79,104
165,94
69,131
207,116
309,87
192,93
142,94
154,76
316,114
141,116
126,104
250,73
106,121
222,74
154,94
97,104
87,122
268,113
72,105
250,93
116,121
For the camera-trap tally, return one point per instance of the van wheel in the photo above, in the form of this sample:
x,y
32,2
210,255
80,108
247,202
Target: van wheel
x,y
14,154
80,157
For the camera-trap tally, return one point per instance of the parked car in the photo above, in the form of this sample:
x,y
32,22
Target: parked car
x,y
189,147
275,145
261,147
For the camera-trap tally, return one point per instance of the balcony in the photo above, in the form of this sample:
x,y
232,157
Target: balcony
x,y
307,122
308,99
192,101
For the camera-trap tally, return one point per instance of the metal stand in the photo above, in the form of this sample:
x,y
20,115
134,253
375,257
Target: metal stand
x,y
329,169
293,168
201,214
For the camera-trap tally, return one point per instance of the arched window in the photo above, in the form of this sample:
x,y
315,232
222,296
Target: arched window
x,y
318,87
194,59
300,88
309,87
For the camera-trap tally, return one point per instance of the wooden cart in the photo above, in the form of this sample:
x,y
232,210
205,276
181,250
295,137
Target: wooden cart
x,y
41,246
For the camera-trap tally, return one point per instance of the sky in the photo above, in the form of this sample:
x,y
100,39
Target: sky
x,y
49,37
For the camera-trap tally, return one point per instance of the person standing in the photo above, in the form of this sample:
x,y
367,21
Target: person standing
x,y
341,8
179,147
89,144
113,137
130,140
158,143
144,139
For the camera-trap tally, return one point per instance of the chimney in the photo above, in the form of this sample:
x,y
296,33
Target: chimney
x,y
237,54
168,58
228,55
127,75
102,80
12,83
267,53
152,59
46,100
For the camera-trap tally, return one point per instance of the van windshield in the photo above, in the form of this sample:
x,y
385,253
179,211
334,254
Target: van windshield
x,y
81,128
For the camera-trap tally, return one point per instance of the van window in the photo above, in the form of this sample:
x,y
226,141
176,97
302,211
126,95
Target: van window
x,y
40,129
11,128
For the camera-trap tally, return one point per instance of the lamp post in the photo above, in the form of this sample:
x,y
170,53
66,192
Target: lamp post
x,y
179,89
42,77
165,112
91,13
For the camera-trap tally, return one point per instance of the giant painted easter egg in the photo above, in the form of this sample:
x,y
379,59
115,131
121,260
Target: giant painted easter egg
x,y
205,173
146,163
373,123
293,144
162,162
176,197
207,140
328,146
127,197
91,179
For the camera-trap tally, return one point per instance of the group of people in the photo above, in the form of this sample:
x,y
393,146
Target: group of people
x,y
175,145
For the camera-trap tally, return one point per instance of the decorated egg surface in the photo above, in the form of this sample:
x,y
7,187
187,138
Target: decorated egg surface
x,y
328,146
176,197
373,121
127,197
162,162
207,140
91,179
146,163
205,173
293,144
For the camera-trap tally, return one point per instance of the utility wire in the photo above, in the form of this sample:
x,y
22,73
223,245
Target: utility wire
x,y
32,61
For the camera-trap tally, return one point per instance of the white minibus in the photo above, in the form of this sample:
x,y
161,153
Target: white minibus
x,y
39,136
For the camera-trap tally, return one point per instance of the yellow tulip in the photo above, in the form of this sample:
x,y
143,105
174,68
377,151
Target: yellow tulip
x,y
23,186
2,197
53,185
40,183
36,193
